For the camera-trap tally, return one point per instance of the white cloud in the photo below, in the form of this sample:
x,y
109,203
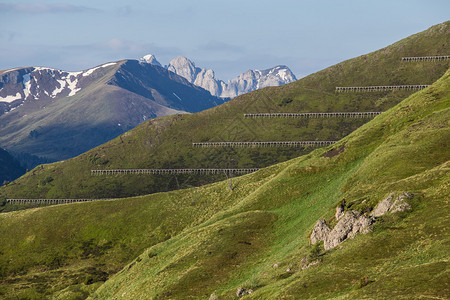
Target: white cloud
x,y
40,8
114,44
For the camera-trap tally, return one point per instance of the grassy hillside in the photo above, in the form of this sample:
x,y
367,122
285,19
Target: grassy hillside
x,y
405,256
209,240
166,142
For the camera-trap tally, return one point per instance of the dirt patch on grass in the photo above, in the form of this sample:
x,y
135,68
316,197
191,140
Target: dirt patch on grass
x,y
334,152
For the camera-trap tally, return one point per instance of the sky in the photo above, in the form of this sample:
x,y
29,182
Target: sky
x,y
229,36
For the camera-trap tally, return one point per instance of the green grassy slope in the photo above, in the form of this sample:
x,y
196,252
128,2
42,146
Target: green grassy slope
x,y
196,242
166,142
405,149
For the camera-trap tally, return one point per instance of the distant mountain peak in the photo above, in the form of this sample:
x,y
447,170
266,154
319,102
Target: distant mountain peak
x,y
150,59
246,82
184,67
63,114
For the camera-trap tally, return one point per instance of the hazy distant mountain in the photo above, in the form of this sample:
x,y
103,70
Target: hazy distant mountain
x,y
57,114
244,83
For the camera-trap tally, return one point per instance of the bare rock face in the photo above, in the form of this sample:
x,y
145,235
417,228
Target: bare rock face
x,y
244,83
390,205
361,225
348,226
206,79
339,212
320,231
400,203
384,206
184,67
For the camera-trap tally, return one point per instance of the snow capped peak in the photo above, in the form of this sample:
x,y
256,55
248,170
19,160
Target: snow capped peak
x,y
150,59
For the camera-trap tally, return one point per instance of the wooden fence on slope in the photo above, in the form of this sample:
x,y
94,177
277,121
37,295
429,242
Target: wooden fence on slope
x,y
366,114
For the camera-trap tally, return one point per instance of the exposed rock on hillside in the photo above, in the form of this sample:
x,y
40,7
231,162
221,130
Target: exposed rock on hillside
x,y
390,205
353,222
339,212
320,231
241,292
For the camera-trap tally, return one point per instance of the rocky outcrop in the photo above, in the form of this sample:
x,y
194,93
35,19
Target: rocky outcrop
x,y
320,231
400,203
352,222
348,226
384,206
339,212
241,292
389,204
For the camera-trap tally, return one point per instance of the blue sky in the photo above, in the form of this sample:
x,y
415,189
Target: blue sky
x,y
228,36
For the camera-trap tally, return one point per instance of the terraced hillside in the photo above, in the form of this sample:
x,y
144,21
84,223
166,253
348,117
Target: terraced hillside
x,y
167,142
209,240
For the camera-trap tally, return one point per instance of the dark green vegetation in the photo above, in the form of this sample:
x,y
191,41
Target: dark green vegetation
x,y
29,161
196,242
10,168
111,100
166,142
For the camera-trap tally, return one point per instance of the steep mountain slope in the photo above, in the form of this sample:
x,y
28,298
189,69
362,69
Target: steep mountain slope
x,y
58,115
213,241
246,82
10,169
167,142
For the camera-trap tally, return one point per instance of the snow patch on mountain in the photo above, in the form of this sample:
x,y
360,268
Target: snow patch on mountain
x,y
39,82
90,71
72,85
11,98
56,91
27,85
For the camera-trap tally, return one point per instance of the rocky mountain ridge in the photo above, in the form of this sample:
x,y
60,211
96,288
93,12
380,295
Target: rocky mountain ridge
x,y
57,114
34,83
246,82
